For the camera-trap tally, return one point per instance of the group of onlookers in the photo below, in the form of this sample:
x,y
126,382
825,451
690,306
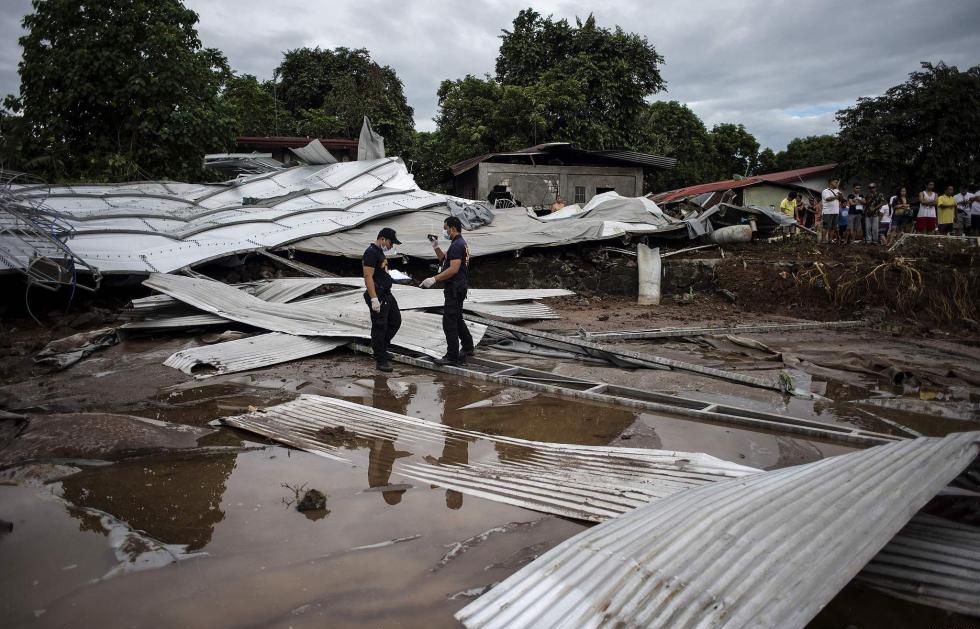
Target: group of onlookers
x,y
871,217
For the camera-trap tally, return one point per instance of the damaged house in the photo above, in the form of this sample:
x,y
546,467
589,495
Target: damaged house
x,y
535,176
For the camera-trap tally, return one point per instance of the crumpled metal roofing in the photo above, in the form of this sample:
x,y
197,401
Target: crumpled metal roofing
x,y
931,561
768,550
596,482
162,227
253,352
497,303
419,332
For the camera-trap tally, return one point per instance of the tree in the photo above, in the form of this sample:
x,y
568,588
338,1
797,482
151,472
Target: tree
x,y
254,108
12,135
671,129
116,89
328,92
813,150
736,150
927,128
765,163
426,162
600,76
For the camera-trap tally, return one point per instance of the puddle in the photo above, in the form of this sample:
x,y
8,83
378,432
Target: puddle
x,y
368,563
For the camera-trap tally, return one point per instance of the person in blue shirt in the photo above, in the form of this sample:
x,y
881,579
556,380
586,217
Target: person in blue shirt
x,y
455,262
385,316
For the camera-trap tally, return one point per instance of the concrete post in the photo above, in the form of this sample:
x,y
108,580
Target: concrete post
x,y
649,271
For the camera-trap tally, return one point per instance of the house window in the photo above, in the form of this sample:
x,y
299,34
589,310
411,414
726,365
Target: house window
x,y
580,194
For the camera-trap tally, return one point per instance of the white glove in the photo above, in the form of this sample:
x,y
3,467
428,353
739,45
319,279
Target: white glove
x,y
428,282
375,304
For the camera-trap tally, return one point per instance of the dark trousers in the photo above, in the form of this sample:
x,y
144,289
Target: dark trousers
x,y
384,324
453,324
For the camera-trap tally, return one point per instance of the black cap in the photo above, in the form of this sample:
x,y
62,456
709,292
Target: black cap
x,y
389,233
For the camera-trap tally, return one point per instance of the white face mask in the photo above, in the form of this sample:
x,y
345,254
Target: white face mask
x,y
445,234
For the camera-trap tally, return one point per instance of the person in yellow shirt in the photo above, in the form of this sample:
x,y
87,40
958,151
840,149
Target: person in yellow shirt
x,y
946,211
788,205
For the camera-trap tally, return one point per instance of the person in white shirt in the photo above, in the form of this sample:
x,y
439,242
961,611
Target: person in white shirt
x,y
925,220
975,212
963,202
831,198
885,223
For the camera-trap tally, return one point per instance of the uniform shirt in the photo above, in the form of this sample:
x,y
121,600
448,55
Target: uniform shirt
x,y
788,207
945,208
457,251
375,258
830,203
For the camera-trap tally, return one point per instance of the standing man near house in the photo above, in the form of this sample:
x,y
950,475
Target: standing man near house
x,y
855,214
453,272
946,211
874,203
963,202
830,198
925,220
385,317
788,205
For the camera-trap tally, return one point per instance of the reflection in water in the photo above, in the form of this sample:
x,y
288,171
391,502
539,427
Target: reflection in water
x,y
542,418
381,458
175,500
381,452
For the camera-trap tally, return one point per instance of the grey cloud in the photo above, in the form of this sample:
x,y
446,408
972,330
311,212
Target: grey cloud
x,y
756,62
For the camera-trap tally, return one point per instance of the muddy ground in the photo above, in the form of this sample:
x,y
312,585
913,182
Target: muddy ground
x,y
130,510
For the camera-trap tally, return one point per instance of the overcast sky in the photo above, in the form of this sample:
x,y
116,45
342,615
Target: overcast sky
x,y
781,68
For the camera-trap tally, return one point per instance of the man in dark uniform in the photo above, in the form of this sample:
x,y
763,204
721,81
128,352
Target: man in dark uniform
x,y
385,317
453,272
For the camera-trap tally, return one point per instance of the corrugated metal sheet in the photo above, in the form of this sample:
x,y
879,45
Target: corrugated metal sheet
x,y
493,303
584,482
932,561
420,331
253,352
768,550
176,323
789,177
141,228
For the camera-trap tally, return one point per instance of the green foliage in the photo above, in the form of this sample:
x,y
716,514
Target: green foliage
x,y
13,133
253,107
119,89
766,162
813,150
328,93
589,83
427,163
555,82
736,150
923,129
673,130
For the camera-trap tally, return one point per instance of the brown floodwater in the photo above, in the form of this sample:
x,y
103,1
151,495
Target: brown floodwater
x,y
208,539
